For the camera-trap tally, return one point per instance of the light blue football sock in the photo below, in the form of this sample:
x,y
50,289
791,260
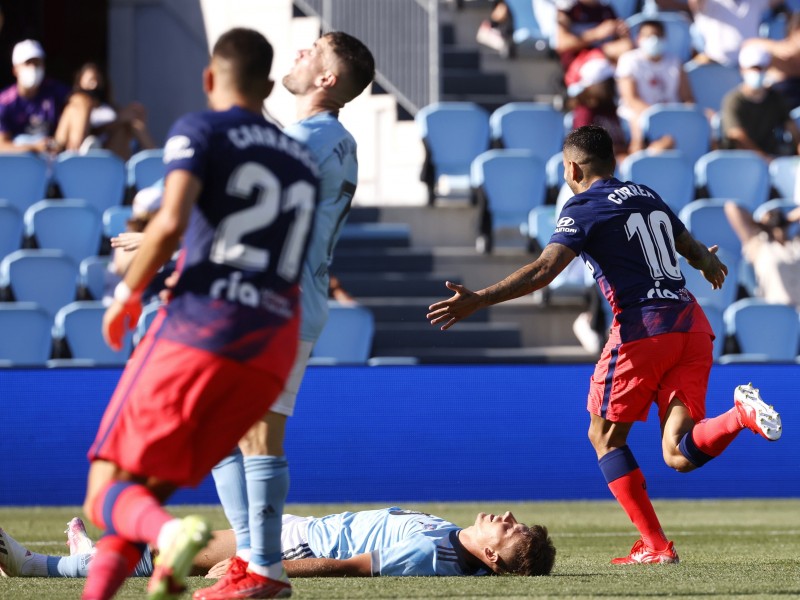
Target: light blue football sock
x,y
267,488
76,565
229,478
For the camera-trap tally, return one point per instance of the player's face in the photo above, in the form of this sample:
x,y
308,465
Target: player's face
x,y
500,532
308,66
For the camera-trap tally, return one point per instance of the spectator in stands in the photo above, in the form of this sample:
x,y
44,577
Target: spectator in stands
x,y
648,75
92,120
724,24
30,108
773,252
752,113
587,24
784,70
590,86
496,31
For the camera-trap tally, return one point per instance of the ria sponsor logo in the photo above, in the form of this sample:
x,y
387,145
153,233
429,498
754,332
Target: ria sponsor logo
x,y
233,289
564,225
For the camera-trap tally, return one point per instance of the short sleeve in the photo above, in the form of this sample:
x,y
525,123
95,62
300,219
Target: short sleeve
x,y
572,227
730,110
625,66
187,146
413,556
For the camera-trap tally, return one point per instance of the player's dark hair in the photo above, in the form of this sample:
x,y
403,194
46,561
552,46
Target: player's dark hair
x,y
593,148
657,25
534,555
355,57
248,57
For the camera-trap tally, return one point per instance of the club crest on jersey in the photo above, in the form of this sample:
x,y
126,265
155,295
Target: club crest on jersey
x,y
628,191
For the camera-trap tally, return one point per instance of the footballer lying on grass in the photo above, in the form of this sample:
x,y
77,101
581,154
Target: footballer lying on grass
x,y
389,541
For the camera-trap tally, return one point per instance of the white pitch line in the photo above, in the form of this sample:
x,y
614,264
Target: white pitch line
x,y
680,533
598,534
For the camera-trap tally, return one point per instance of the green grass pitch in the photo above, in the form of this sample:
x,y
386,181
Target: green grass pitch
x,y
729,549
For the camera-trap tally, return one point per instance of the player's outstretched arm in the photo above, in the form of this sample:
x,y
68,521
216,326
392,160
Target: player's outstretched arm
x,y
703,259
357,566
536,275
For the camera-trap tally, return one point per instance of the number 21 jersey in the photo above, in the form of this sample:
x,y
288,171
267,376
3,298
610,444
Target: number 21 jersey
x,y
243,250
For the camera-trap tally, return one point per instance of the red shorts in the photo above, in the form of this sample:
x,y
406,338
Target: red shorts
x,y
177,411
630,376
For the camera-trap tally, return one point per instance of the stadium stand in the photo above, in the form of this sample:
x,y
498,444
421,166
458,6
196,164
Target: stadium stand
x,y
347,337
532,126
701,289
763,332
739,174
686,124
26,337
509,184
92,275
115,219
677,26
710,82
454,134
71,226
145,168
78,336
47,277
669,173
10,228
146,319
23,179
705,219
97,177
783,175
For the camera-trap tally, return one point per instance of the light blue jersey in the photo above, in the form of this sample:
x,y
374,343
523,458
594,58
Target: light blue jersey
x,y
334,150
402,542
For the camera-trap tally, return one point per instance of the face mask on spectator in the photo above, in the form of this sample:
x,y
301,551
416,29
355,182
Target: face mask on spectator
x,y
30,76
754,79
652,46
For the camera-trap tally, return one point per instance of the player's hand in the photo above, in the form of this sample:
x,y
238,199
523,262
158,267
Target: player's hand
x,y
714,270
170,282
127,241
463,303
219,569
117,319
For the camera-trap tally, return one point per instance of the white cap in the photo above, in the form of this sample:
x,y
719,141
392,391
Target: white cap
x,y
754,55
26,50
591,72
147,200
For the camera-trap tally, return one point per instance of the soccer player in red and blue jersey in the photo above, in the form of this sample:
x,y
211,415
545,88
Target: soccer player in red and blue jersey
x,y
660,344
241,195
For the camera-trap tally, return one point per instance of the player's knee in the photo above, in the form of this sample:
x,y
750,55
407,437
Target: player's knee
x,y
676,460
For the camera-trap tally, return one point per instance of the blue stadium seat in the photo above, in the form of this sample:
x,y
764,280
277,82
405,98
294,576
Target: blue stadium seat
x,y
677,27
533,126
80,326
454,134
706,221
23,179
97,177
527,31
710,82
347,337
783,175
94,276
69,225
702,290
668,173
10,228
46,277
554,169
686,124
25,339
145,168
624,8
115,220
513,183
765,332
714,315
542,224
738,174
795,115
146,319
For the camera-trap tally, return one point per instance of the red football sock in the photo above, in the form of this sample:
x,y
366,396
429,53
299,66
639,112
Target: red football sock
x,y
630,490
712,436
134,512
114,560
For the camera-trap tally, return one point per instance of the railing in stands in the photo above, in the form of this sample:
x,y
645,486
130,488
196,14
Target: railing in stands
x,y
403,36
